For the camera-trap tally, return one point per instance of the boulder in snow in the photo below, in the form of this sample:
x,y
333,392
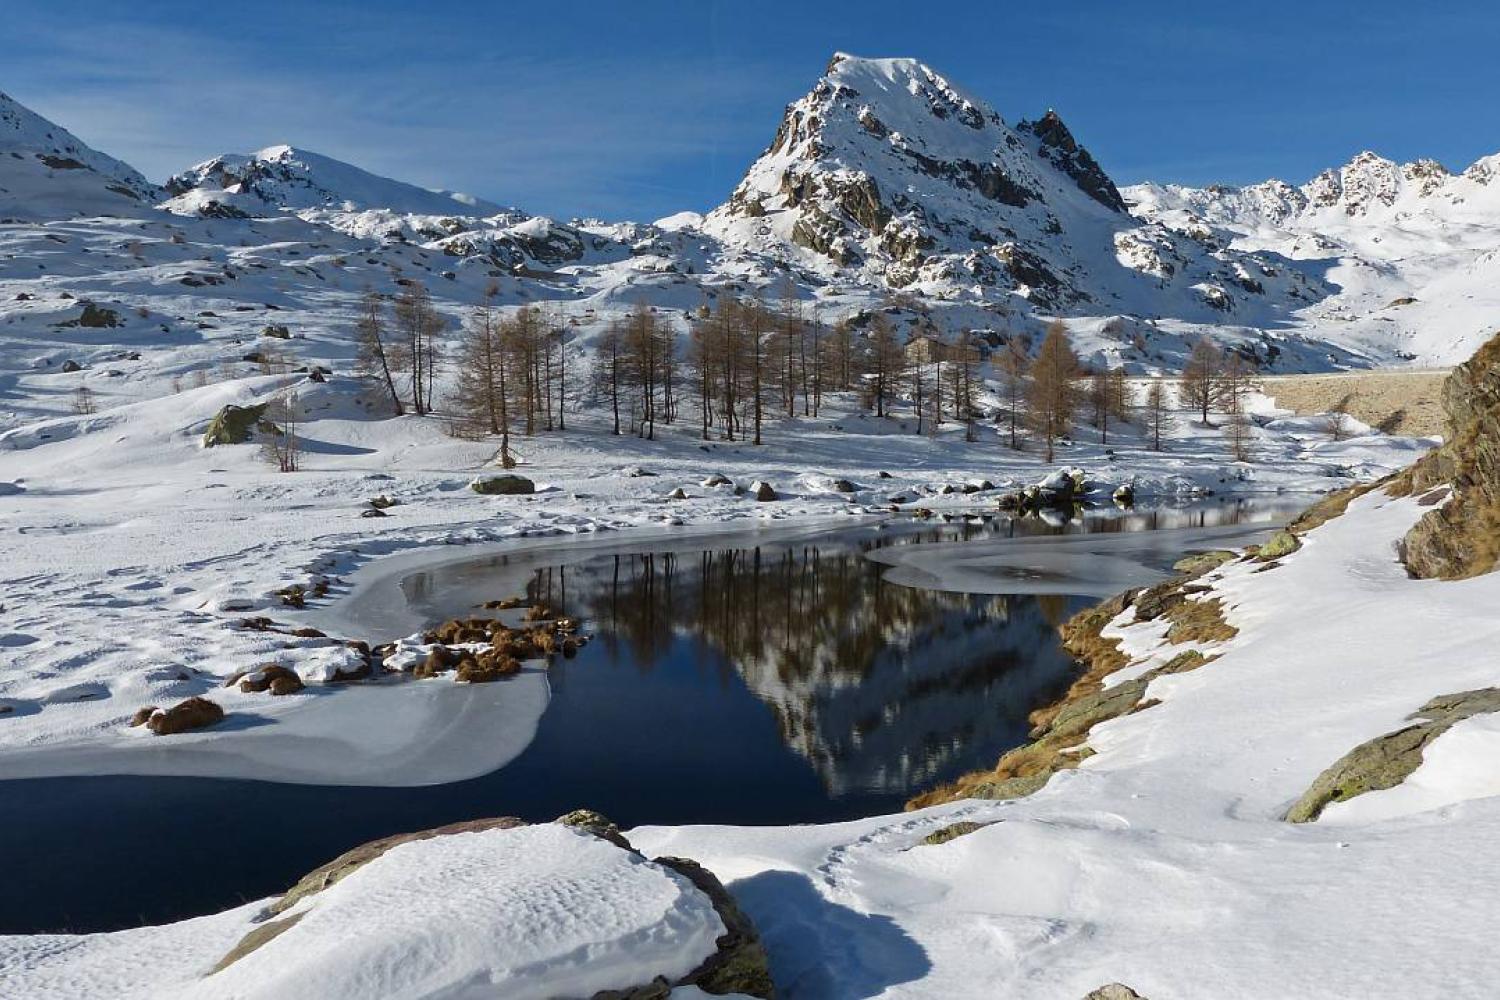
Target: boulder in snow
x,y
506,485
194,713
235,424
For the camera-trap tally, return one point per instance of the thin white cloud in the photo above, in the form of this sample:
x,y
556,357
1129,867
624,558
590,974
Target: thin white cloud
x,y
569,132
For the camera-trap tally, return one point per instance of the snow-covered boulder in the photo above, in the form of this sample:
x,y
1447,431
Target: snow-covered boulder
x,y
495,908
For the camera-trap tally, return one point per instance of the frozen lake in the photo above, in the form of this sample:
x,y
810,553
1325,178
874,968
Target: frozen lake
x,y
771,677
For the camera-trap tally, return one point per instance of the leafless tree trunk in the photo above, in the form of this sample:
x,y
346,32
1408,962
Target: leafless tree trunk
x,y
1051,396
1201,375
374,354
1158,413
1014,365
282,448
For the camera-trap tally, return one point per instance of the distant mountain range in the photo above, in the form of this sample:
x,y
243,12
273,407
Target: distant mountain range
x,y
887,185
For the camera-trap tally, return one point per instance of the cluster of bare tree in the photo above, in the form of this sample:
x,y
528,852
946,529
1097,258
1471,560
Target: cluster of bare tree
x,y
1215,379
281,445
512,376
745,362
511,370
400,346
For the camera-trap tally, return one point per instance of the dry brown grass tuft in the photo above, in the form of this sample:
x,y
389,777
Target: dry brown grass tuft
x,y
1199,621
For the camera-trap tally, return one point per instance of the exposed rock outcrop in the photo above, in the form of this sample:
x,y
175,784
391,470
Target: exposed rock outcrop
x,y
1461,538
1059,146
194,713
506,485
236,424
952,832
1114,991
1386,761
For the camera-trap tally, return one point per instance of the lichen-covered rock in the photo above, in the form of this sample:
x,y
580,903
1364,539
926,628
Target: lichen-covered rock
x,y
597,824
952,832
1283,543
1114,991
234,425
506,485
1388,760
740,965
97,317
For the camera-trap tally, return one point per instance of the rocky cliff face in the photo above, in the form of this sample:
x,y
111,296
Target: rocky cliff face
x,y
1461,538
890,174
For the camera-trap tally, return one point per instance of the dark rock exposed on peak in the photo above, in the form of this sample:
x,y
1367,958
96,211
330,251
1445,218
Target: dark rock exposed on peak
x,y
1059,146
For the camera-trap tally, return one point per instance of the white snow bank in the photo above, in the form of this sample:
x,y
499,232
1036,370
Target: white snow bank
x,y
526,914
396,732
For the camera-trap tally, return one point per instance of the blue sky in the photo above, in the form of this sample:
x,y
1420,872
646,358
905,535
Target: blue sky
x,y
635,110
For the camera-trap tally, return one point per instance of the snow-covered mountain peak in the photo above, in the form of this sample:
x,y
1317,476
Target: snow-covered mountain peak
x,y
889,174
285,177
47,172
887,166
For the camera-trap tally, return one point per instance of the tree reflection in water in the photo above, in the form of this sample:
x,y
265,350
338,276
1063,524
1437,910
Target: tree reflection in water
x,y
882,688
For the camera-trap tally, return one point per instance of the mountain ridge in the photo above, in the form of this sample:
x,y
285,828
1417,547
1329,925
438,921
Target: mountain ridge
x,y
887,182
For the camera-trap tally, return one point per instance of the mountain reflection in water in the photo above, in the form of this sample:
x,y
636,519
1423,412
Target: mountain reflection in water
x,y
881,688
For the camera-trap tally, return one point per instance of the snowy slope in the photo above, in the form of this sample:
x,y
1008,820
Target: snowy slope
x,y
46,172
1413,249
284,177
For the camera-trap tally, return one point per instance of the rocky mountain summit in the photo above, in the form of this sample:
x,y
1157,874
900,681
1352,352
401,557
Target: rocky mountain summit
x,y
888,170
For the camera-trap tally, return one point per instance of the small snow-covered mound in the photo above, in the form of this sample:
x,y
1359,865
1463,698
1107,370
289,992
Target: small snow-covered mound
x,y
539,911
